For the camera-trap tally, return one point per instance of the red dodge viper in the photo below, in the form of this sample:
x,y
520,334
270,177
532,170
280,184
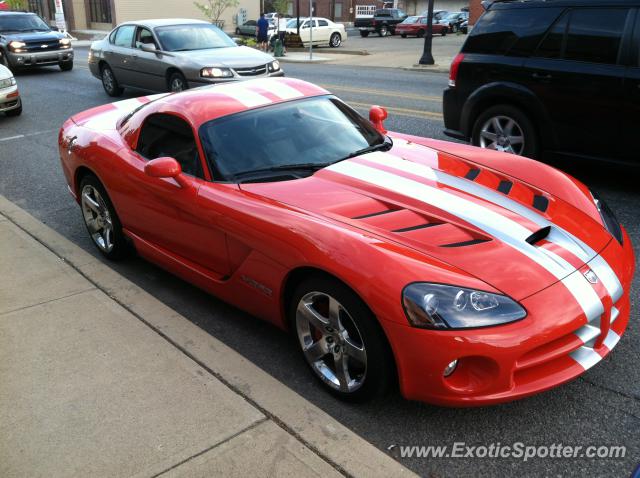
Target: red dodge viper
x,y
469,276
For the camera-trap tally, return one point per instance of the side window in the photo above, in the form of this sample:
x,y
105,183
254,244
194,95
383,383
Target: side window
x,y
552,45
144,37
124,36
595,34
167,135
323,23
424,21
112,36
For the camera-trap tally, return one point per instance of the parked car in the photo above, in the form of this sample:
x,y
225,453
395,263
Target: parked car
x,y
27,41
418,26
325,32
464,27
557,77
383,22
171,54
372,248
10,102
438,15
249,29
453,20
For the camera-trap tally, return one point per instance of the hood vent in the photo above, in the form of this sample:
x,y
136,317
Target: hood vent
x,y
466,243
373,214
472,174
414,228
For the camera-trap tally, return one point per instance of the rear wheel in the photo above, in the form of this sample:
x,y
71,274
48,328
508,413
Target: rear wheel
x,y
403,35
340,339
506,128
443,32
101,219
383,31
177,82
335,40
364,33
109,82
237,31
16,111
420,33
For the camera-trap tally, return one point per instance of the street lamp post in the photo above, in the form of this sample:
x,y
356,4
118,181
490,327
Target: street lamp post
x,y
427,57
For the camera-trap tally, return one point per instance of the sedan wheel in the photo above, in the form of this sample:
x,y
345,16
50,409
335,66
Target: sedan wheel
x,y
109,82
502,133
177,83
340,339
101,219
335,40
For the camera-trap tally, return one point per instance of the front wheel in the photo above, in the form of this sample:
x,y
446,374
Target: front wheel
x,y
237,31
15,112
177,82
364,33
420,33
340,339
444,32
335,40
383,31
66,65
403,35
506,128
101,219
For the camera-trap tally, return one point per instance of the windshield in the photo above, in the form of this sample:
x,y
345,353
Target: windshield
x,y
313,132
293,23
22,23
197,36
411,20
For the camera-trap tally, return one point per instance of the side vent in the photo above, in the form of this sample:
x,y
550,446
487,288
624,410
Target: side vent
x,y
466,243
505,187
472,174
541,203
413,228
379,213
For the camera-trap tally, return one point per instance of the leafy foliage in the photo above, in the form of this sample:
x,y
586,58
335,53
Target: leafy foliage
x,y
213,9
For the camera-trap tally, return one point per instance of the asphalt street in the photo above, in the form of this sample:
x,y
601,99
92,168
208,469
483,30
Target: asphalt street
x,y
600,408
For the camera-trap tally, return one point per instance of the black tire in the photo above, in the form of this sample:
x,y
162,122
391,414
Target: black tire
x,y
420,34
379,373
364,33
109,82
444,32
335,41
531,147
383,31
454,28
4,61
15,112
237,31
121,247
176,78
66,65
403,35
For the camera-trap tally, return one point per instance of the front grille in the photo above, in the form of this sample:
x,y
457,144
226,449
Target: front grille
x,y
45,45
255,71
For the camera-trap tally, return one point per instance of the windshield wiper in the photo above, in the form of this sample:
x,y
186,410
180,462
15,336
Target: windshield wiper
x,y
386,145
279,168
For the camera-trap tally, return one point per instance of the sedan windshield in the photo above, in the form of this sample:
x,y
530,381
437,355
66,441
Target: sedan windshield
x,y
303,135
411,20
22,23
197,36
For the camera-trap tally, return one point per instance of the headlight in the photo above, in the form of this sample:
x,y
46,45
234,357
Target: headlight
x,y
17,46
7,82
65,43
211,72
274,66
609,219
438,306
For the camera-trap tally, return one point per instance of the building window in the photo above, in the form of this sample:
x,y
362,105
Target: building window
x,y
100,11
338,12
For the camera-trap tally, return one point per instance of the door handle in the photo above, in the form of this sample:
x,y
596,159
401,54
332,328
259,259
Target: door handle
x,y
542,76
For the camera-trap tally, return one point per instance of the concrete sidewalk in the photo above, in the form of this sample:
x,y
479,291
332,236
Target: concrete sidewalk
x,y
98,378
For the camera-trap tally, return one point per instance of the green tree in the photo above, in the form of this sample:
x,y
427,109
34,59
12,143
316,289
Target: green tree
x,y
213,9
280,6
17,4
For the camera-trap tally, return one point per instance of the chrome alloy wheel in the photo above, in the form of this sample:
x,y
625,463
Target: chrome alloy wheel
x,y
97,218
177,85
331,342
502,133
108,80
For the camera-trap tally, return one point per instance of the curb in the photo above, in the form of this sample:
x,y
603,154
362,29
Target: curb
x,y
333,51
319,59
347,452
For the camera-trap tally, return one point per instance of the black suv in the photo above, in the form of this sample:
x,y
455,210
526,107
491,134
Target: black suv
x,y
557,76
384,21
26,40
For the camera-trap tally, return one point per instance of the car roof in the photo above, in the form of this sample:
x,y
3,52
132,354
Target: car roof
x,y
163,22
506,4
5,13
200,105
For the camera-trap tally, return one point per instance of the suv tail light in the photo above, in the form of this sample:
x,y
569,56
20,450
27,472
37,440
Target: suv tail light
x,y
453,71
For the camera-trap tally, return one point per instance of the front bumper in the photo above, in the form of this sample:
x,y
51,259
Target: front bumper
x,y
29,59
9,98
552,345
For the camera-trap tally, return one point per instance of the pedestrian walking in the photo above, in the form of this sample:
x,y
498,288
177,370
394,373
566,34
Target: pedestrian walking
x,y
262,29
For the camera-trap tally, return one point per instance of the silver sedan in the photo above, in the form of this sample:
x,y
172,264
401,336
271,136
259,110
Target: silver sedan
x,y
172,55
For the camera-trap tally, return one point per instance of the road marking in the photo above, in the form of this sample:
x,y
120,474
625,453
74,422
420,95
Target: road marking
x,y
20,136
402,111
381,92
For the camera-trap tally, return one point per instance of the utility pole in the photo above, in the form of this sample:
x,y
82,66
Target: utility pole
x,y
427,57
298,13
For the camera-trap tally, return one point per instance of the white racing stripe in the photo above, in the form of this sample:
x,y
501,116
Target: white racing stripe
x,y
557,235
587,357
248,98
280,89
497,225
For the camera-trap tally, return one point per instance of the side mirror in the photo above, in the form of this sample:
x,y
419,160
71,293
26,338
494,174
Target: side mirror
x,y
377,115
166,168
148,47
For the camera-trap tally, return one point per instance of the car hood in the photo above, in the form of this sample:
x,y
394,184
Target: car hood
x,y
478,220
232,57
33,36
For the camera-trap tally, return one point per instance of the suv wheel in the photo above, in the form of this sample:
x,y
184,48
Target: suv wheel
x,y
506,128
383,31
66,65
364,33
